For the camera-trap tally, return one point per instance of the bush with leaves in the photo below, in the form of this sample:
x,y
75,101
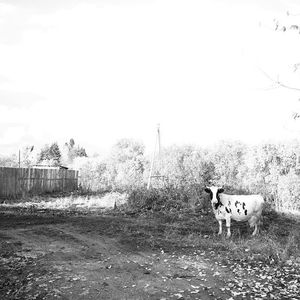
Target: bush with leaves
x,y
121,170
227,157
9,161
288,192
264,166
93,174
186,170
127,164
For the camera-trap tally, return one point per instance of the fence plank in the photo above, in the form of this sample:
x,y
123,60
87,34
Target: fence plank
x,y
10,183
27,181
1,183
16,182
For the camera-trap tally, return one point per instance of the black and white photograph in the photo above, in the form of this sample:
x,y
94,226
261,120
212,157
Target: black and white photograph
x,y
149,149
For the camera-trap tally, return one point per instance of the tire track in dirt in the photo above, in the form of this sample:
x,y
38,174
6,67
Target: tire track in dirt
x,y
76,262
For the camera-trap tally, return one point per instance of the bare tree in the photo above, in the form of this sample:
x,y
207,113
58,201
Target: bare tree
x,y
289,23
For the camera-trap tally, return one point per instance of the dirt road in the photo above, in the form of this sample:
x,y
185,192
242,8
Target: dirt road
x,y
53,256
65,255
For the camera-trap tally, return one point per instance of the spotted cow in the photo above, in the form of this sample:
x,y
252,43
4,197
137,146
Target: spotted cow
x,y
236,207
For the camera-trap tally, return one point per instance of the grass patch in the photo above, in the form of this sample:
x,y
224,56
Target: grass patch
x,y
185,227
278,241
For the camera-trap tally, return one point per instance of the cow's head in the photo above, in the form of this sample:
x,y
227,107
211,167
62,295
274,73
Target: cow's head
x,y
214,192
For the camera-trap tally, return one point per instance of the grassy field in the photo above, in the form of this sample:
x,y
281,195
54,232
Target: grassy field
x,y
128,254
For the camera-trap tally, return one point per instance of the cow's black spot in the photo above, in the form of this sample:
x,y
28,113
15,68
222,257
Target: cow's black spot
x,y
227,210
218,196
229,203
245,212
217,205
237,203
207,190
238,211
244,205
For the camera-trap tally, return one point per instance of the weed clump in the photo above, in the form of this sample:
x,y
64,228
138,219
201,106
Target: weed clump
x,y
164,200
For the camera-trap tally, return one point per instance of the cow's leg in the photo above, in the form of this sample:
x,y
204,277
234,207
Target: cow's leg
x,y
220,227
253,223
228,227
255,229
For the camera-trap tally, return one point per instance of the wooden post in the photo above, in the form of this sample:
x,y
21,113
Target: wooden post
x,y
157,141
151,168
158,138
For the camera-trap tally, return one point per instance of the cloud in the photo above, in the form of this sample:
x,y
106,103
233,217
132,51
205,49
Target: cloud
x,y
18,100
46,7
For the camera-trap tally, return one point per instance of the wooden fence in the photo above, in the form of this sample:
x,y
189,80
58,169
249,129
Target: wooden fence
x,y
16,182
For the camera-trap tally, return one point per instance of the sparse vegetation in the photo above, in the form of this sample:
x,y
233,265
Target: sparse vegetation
x,y
72,202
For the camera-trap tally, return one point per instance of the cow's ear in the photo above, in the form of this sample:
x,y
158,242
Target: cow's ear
x,y
221,190
207,190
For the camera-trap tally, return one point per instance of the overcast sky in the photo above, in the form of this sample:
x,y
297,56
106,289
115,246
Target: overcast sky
x,y
98,71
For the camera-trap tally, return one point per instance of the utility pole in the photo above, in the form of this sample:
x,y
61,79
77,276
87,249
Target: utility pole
x,y
157,142
158,139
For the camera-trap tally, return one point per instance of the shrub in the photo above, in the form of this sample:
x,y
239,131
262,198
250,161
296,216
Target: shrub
x,y
268,169
157,199
288,192
93,174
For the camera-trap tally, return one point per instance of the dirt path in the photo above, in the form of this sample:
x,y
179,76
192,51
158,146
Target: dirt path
x,y
63,257
81,255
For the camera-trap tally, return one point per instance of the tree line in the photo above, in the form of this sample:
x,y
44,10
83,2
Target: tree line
x,y
271,169
48,155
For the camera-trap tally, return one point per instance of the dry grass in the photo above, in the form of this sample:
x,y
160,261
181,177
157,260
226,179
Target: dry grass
x,y
90,202
278,242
